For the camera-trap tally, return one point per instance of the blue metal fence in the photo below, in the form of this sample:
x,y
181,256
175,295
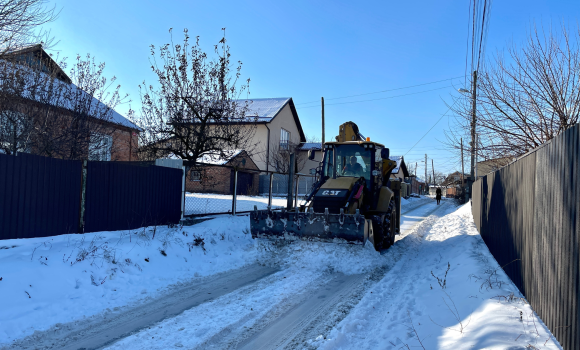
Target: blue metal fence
x,y
42,197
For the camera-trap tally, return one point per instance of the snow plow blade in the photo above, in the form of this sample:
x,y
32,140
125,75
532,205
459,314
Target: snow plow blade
x,y
310,226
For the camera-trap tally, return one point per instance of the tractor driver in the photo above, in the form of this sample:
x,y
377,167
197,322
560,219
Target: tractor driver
x,y
354,168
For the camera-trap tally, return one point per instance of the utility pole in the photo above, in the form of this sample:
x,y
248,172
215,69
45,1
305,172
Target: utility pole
x,y
462,171
322,103
433,168
476,145
426,182
473,122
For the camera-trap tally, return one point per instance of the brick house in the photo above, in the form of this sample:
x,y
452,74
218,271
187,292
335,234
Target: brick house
x,y
119,138
213,174
416,184
455,179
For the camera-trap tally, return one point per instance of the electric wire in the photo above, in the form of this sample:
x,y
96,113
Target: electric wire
x,y
378,92
444,114
481,34
467,45
376,99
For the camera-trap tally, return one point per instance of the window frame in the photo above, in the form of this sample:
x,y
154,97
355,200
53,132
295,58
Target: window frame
x,y
284,141
192,178
100,154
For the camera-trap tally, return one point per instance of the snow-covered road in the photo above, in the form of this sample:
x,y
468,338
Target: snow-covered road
x,y
316,301
232,292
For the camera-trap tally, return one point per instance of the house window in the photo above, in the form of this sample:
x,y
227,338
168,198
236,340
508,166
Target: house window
x,y
284,139
195,176
100,147
15,130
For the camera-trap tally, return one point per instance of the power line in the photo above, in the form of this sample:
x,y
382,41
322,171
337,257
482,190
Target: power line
x,y
444,114
467,44
376,99
378,92
483,30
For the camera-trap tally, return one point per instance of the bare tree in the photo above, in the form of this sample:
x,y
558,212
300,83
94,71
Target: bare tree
x,y
46,112
525,97
21,23
439,178
279,157
194,109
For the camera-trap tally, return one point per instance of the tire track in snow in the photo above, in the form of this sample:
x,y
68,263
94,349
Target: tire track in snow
x,y
102,330
321,308
282,331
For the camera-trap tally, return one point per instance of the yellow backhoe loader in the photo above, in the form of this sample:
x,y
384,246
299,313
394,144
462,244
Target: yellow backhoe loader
x,y
353,200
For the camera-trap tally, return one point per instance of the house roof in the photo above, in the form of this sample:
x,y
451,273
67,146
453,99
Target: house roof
x,y
233,158
306,146
266,109
34,55
38,51
487,166
400,165
218,159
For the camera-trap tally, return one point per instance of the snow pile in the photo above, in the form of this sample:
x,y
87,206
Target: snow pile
x,y
331,257
45,281
446,292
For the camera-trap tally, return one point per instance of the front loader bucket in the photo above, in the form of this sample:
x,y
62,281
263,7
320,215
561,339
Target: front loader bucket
x,y
310,226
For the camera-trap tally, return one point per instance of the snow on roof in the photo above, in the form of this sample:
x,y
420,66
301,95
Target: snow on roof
x,y
399,160
265,109
306,146
40,95
219,159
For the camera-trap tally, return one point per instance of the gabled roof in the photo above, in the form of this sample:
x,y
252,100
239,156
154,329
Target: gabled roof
x,y
266,109
400,165
35,56
22,57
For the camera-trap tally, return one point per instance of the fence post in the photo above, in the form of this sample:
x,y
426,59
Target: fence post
x,y
270,192
83,197
296,191
290,180
183,192
235,191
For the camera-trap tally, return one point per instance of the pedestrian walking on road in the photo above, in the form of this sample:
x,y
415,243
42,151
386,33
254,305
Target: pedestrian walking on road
x,y
438,195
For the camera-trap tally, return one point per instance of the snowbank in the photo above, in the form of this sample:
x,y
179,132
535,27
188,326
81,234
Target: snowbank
x,y
45,281
447,292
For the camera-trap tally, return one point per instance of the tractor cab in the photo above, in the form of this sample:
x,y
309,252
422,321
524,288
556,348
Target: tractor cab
x,y
355,159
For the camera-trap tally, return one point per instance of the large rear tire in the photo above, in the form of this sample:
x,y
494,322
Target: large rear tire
x,y
390,226
378,231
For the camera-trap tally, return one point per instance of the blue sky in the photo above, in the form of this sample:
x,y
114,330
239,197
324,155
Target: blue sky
x,y
309,49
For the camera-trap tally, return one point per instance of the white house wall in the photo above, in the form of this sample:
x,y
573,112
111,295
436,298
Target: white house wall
x,y
285,120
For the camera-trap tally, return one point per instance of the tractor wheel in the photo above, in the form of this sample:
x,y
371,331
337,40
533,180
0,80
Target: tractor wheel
x,y
378,231
389,230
